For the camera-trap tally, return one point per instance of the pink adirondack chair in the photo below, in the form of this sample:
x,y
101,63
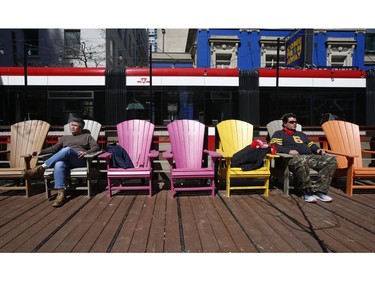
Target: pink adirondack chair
x,y
135,136
186,156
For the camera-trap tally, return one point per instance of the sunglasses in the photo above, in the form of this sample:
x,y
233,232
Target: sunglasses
x,y
292,122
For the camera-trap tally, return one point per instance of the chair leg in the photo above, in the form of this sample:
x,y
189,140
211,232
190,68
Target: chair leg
x,y
89,187
150,186
213,187
349,185
109,187
172,188
27,187
46,184
267,185
227,184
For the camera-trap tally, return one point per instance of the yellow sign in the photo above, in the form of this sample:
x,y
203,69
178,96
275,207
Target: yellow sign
x,y
294,50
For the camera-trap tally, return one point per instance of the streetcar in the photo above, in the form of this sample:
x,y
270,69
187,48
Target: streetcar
x,y
210,95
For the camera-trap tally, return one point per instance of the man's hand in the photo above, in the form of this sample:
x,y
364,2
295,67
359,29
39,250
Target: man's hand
x,y
293,152
321,151
81,154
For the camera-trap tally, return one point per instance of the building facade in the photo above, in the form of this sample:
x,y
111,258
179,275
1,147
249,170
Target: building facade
x,y
110,48
248,49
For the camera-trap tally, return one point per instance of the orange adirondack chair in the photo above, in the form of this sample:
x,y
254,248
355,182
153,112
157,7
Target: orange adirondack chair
x,y
135,136
87,173
235,135
25,137
186,156
344,141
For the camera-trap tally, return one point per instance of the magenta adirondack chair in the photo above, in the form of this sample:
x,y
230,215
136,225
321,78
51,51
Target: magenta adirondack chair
x,y
135,136
186,156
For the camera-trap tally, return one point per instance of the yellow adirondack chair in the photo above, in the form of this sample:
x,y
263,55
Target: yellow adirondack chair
x,y
344,141
25,137
234,135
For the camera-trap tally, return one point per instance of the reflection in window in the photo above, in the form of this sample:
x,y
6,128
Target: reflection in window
x,y
72,42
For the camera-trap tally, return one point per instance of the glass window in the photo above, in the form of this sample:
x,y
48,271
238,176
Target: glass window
x,y
32,42
311,103
370,41
223,60
340,51
72,43
370,47
268,54
223,51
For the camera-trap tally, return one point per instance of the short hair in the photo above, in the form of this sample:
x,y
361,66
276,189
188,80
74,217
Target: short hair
x,y
79,121
286,117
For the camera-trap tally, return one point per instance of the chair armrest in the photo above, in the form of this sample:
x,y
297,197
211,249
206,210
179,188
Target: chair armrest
x,y
368,151
213,154
269,155
284,155
341,154
92,155
44,156
105,155
167,154
26,156
153,154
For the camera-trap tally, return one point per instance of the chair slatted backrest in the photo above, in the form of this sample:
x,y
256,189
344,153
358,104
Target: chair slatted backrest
x,y
234,135
90,125
187,140
277,125
135,136
26,137
344,137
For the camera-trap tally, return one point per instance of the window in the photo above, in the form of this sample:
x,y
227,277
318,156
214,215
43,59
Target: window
x,y
224,51
111,51
370,47
268,54
340,51
32,42
72,42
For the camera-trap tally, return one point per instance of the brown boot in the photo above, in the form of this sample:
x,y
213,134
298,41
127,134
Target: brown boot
x,y
60,198
36,172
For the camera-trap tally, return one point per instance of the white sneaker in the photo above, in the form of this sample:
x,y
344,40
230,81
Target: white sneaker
x,y
309,197
322,196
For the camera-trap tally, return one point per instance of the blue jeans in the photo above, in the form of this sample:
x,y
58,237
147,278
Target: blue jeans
x,y
62,162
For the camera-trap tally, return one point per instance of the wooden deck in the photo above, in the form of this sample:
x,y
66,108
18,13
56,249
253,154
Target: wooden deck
x,y
133,222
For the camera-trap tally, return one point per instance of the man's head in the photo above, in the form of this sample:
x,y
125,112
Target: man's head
x,y
290,121
77,125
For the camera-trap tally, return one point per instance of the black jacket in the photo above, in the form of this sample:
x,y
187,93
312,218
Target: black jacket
x,y
249,159
120,158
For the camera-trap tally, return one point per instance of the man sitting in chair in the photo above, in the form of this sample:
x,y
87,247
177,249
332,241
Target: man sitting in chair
x,y
68,153
306,155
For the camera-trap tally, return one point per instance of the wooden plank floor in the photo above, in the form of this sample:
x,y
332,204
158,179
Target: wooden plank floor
x,y
132,222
